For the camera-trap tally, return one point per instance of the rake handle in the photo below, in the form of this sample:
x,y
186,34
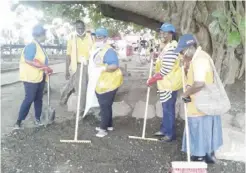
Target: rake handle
x,y
147,101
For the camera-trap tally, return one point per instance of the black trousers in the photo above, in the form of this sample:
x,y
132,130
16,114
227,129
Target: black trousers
x,y
106,101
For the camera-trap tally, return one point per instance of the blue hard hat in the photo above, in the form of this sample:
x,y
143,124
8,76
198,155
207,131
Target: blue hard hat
x,y
167,27
185,41
38,30
101,32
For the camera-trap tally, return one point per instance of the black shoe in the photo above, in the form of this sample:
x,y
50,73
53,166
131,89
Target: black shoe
x,y
210,158
197,159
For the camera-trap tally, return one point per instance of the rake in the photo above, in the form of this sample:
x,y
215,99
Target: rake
x,y
78,111
146,112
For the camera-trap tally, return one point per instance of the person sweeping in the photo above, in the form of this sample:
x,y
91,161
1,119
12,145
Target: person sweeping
x,y
105,61
33,72
169,80
205,130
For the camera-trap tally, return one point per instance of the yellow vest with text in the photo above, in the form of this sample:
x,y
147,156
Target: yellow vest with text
x,y
78,51
108,81
173,80
29,73
192,110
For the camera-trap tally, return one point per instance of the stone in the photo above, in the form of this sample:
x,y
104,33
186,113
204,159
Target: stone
x,y
121,109
226,120
158,109
239,121
72,103
233,147
139,110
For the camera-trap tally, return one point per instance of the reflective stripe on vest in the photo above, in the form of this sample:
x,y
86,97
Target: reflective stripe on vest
x,y
173,80
29,73
108,81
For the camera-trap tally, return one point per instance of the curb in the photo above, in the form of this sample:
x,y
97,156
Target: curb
x,y
12,83
17,68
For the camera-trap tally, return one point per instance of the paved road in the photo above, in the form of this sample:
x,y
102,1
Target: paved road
x,y
13,76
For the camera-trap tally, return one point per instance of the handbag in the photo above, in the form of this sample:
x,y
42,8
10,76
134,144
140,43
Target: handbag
x,y
212,99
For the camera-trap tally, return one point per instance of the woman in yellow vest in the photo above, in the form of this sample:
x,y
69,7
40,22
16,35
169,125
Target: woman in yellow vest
x,y
168,78
78,48
205,130
33,71
109,81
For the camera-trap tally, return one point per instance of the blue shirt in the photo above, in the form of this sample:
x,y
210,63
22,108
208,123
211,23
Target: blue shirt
x,y
111,58
30,52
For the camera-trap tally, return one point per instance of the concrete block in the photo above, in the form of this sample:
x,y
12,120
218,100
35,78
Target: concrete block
x,y
239,121
158,109
139,110
72,103
233,147
121,109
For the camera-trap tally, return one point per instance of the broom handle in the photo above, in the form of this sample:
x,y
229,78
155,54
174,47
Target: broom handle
x,y
186,119
48,90
147,101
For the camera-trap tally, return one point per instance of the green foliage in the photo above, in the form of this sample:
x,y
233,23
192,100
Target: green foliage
x,y
234,39
225,23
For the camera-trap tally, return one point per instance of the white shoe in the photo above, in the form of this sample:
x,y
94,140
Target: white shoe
x,y
101,133
109,128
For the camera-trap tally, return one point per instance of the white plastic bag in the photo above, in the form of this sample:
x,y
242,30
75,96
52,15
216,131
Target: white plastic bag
x,y
93,73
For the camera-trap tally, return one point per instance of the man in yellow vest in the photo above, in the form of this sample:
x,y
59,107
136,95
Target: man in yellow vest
x,y
168,79
78,47
109,80
33,72
205,130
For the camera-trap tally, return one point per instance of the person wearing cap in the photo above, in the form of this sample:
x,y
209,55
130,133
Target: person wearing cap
x,y
168,78
33,72
105,62
205,130
78,48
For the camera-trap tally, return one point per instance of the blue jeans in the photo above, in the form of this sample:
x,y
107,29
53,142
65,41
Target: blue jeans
x,y
33,93
106,101
168,119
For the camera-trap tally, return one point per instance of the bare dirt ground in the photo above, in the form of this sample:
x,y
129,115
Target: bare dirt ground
x,y
38,150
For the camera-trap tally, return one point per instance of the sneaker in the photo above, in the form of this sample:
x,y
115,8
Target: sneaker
x,y
159,133
165,139
18,126
101,133
38,123
109,128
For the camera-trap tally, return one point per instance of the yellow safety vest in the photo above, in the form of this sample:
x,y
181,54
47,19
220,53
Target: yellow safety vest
x,y
86,46
29,73
192,111
108,81
173,80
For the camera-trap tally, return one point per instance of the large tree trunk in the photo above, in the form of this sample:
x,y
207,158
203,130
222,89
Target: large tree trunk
x,y
188,17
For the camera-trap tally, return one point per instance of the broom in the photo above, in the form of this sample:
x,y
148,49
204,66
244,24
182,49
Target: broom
x,y
182,166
